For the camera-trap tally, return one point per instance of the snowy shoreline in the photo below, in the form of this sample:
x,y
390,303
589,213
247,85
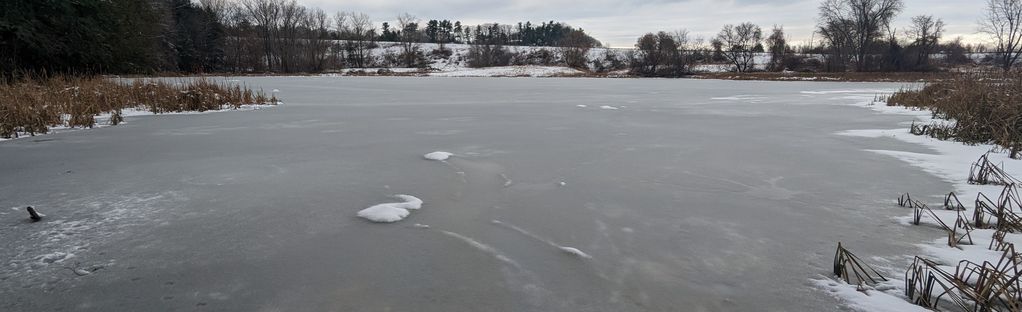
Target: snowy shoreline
x,y
950,161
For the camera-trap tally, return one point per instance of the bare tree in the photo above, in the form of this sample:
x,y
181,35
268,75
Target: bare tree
x,y
291,15
736,43
317,25
1003,22
777,45
661,54
863,21
266,15
410,36
361,37
925,33
575,48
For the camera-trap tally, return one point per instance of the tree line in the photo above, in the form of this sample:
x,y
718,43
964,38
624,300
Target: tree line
x,y
857,35
151,36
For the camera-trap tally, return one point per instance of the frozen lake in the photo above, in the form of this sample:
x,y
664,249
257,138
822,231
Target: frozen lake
x,y
691,195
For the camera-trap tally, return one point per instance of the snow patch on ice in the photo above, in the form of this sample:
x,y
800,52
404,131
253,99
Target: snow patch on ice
x,y
391,212
608,107
438,156
575,252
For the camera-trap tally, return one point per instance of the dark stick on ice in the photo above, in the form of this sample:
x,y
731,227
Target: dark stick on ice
x,y
33,215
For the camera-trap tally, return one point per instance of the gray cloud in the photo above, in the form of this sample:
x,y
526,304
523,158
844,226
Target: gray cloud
x,y
619,23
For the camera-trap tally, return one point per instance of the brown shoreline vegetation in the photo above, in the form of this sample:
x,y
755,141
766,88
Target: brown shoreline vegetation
x,y
977,108
34,105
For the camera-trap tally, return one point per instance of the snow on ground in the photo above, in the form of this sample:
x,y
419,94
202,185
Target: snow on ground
x,y
869,300
509,71
438,156
456,65
391,212
949,161
103,120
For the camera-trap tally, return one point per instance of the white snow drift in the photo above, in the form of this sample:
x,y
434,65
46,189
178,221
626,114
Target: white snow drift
x,y
391,212
438,156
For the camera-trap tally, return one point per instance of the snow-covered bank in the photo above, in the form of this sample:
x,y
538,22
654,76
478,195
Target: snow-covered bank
x,y
509,71
951,162
103,120
528,61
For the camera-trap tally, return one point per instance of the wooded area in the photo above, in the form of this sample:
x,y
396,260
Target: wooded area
x,y
268,36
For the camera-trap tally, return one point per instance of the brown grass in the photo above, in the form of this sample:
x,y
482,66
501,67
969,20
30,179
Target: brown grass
x,y
33,106
979,107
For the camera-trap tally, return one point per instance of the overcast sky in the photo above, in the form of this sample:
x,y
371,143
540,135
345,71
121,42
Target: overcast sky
x,y
620,23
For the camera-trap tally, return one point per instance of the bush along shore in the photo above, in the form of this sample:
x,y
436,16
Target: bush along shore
x,y
37,105
976,108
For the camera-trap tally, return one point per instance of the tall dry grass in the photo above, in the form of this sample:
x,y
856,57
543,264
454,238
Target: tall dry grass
x,y
978,107
34,105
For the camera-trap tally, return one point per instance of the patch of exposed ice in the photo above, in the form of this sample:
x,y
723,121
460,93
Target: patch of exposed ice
x,y
438,156
54,257
391,212
482,247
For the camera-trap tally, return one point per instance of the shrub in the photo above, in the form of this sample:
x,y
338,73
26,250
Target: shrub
x,y
979,107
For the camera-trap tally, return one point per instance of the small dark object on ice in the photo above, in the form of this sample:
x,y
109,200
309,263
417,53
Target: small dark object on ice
x,y
35,216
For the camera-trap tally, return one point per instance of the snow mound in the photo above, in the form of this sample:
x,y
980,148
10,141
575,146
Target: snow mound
x,y
391,212
438,156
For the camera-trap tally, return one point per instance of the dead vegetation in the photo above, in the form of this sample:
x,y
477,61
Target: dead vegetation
x,y
33,106
977,108
967,285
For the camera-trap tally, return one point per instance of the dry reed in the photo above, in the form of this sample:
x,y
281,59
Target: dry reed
x,y
34,105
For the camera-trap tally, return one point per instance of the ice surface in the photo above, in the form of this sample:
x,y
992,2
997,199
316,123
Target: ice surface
x,y
569,250
259,192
